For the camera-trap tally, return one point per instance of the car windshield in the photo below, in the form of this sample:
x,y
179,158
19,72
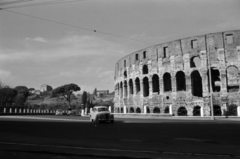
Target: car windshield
x,y
102,109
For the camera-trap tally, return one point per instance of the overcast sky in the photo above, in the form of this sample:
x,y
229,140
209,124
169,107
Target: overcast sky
x,y
36,51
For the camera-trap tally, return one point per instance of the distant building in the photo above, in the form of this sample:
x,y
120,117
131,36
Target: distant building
x,y
45,87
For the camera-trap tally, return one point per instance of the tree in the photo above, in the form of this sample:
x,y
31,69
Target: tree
x,y
22,94
7,96
95,91
65,91
84,99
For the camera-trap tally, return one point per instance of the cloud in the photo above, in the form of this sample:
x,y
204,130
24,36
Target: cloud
x,y
37,39
4,74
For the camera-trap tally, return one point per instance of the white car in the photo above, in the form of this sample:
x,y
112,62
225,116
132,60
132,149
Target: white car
x,y
101,114
59,112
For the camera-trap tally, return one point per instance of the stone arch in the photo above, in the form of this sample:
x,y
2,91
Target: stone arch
x,y
217,110
121,109
145,69
232,110
138,110
125,74
137,85
167,83
216,82
232,79
195,61
131,110
155,83
156,110
121,89
197,111
125,89
145,87
182,111
166,110
180,81
130,86
196,81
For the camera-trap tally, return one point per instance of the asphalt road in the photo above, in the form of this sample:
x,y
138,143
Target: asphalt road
x,y
75,137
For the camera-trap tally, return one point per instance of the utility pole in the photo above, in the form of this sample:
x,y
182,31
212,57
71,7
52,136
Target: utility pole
x,y
210,84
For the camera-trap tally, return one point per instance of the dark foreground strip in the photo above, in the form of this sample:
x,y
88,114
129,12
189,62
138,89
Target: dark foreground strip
x,y
116,150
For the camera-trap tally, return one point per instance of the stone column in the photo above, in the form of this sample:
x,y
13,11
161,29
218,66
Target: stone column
x,y
109,109
15,110
145,109
150,86
124,109
23,110
202,111
170,109
20,111
27,110
238,111
10,110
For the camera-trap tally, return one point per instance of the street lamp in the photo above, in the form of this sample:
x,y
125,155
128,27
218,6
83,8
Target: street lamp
x,y
210,84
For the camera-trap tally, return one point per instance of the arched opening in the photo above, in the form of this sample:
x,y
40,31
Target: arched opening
x,y
232,110
156,110
181,81
138,110
166,110
125,89
215,76
125,74
122,110
121,89
130,86
217,110
148,110
167,82
182,111
131,110
145,69
137,83
197,111
155,83
232,79
118,110
196,80
195,61
145,87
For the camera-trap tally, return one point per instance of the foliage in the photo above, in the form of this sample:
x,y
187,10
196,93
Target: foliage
x,y
84,99
7,96
65,91
95,91
22,94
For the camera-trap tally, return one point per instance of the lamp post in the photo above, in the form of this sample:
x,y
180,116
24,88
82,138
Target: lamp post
x,y
210,84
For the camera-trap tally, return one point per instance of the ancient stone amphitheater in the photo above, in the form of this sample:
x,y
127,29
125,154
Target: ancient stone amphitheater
x,y
174,77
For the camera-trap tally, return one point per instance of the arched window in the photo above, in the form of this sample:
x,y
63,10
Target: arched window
x,y
182,111
156,110
181,81
125,74
131,110
196,80
167,82
125,89
137,83
121,89
145,69
232,79
130,86
166,110
145,87
216,82
195,61
138,110
197,111
155,83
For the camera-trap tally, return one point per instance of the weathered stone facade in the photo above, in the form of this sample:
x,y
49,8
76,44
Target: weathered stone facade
x,y
173,77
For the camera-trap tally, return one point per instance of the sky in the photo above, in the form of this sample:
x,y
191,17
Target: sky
x,y
80,41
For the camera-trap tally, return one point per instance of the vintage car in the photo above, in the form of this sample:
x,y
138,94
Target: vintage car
x,y
101,114
59,112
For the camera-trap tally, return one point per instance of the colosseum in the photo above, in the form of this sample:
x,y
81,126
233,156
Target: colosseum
x,y
174,77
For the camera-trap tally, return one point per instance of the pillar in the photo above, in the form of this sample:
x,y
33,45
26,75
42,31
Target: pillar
x,y
20,111
23,110
150,86
161,85
134,87
145,109
15,110
10,110
4,110
125,109
109,108
201,111
82,112
27,110
238,111
170,109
